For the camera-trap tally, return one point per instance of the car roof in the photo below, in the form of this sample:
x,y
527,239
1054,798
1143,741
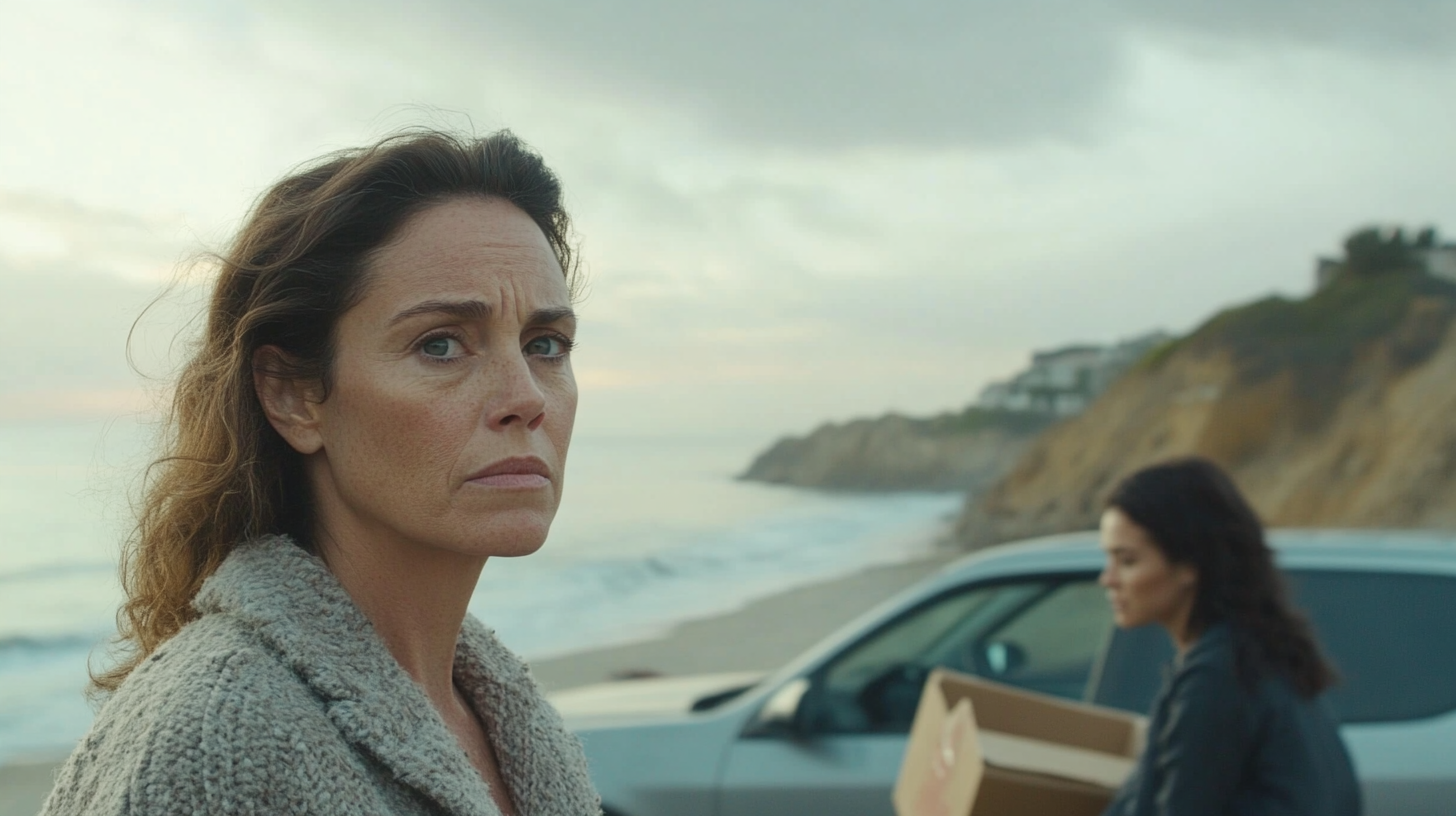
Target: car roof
x,y
1299,548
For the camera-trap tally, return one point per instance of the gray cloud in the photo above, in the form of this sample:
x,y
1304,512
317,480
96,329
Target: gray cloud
x,y
978,73
66,312
87,238
61,329
1402,28
846,73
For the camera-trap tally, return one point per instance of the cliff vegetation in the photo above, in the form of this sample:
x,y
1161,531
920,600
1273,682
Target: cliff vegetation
x,y
1332,410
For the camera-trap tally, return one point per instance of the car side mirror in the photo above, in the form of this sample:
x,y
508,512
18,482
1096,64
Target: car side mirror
x,y
781,715
1001,658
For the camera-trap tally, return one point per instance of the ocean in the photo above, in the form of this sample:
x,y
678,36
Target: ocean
x,y
651,532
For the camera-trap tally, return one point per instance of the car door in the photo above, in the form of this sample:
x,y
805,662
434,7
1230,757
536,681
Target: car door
x,y
1391,638
1041,633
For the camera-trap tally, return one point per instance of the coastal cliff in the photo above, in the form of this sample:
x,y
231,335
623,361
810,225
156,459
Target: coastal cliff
x,y
966,451
1334,410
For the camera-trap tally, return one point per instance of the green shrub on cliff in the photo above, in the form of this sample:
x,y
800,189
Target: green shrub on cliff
x,y
1374,251
1319,338
975,419
1326,327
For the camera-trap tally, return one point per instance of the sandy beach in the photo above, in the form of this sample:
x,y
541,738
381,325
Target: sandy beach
x,y
762,635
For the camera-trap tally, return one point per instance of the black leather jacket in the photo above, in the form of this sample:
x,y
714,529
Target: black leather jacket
x,y
1218,747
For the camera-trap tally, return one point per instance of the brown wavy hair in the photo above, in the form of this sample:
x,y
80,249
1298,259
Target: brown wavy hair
x,y
1196,515
301,259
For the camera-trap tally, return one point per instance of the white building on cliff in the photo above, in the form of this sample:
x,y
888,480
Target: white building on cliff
x,y
1440,261
1063,382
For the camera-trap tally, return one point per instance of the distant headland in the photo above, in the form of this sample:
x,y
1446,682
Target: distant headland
x,y
1333,409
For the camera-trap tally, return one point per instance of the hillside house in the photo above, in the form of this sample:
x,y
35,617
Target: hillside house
x,y
1063,382
1440,261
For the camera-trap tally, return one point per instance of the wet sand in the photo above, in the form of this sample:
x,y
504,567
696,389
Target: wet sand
x,y
763,635
24,785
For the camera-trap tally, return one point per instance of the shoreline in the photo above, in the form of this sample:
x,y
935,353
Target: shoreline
x,y
762,635
759,636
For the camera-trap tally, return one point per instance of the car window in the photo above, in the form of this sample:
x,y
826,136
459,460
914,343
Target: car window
x,y
1042,635
928,635
1050,647
1389,636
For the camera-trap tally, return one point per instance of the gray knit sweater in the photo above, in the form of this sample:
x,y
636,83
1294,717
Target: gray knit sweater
x,y
281,698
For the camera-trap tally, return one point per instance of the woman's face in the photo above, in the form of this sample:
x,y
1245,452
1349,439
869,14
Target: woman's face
x,y
452,397
1142,585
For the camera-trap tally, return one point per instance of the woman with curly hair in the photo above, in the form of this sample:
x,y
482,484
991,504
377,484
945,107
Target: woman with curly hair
x,y
1240,726
380,403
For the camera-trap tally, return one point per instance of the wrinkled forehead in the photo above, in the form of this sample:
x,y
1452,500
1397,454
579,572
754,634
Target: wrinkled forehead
x,y
485,249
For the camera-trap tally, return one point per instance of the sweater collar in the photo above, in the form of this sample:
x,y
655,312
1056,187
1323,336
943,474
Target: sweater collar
x,y
296,606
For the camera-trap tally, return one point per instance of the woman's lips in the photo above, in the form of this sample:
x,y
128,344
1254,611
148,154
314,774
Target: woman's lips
x,y
514,473
519,481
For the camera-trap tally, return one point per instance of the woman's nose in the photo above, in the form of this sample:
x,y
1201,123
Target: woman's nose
x,y
514,396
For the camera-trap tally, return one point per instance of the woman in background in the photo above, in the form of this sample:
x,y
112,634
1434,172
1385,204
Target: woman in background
x,y
1240,726
381,402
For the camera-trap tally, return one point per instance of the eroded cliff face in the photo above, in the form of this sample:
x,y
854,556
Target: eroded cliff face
x,y
1334,412
898,453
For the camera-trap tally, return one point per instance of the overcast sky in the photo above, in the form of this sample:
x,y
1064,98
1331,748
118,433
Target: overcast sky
x,y
789,212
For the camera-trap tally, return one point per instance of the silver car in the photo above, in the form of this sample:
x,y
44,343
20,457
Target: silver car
x,y
824,735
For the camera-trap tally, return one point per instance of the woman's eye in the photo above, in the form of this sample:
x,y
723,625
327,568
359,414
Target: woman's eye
x,y
442,347
548,345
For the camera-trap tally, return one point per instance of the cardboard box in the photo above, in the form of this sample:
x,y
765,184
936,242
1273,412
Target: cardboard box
x,y
979,748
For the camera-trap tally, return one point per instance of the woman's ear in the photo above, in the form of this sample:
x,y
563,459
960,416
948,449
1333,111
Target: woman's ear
x,y
294,406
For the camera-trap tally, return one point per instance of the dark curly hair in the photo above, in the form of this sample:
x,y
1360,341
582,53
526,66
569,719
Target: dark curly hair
x,y
1196,516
